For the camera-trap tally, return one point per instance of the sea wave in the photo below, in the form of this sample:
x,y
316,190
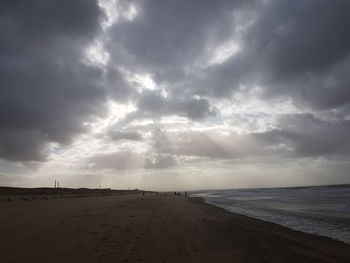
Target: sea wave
x,y
319,210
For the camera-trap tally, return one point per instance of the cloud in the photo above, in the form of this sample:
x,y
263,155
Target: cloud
x,y
173,84
124,135
295,136
119,160
295,50
156,33
310,136
47,90
151,104
298,50
303,36
166,39
304,51
160,161
210,144
23,145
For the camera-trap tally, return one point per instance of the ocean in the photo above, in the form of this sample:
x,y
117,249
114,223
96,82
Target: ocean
x,y
319,210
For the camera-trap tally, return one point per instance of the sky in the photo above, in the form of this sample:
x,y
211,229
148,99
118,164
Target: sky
x,y
174,95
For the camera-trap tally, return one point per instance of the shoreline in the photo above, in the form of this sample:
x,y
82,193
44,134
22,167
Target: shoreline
x,y
271,222
151,228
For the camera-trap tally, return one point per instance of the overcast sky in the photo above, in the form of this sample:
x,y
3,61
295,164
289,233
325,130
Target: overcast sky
x,y
175,94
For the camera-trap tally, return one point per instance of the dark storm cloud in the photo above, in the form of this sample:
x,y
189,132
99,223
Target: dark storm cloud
x,y
151,104
117,135
117,86
41,20
296,49
301,36
23,145
167,36
47,91
310,136
305,47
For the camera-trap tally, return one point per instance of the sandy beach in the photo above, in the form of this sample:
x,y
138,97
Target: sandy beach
x,y
149,228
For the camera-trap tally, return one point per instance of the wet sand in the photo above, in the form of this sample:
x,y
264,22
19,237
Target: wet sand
x,y
150,228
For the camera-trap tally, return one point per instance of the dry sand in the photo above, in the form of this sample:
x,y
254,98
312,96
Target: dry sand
x,y
150,228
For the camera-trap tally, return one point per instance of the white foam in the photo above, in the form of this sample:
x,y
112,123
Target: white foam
x,y
321,211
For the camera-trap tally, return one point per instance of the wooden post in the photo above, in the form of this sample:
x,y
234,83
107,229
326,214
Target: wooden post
x,y
55,183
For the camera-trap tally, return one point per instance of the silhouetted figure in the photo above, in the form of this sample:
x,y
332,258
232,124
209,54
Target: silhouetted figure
x,y
143,193
175,193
